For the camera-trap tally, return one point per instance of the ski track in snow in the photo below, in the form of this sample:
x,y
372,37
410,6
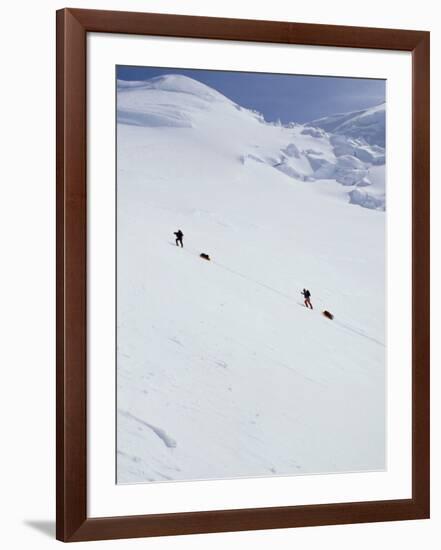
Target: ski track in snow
x,y
263,285
267,287
358,332
345,326
238,274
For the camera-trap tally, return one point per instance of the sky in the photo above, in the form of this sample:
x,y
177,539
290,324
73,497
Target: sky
x,y
288,98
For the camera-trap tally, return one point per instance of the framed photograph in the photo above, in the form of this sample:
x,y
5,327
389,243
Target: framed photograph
x,y
242,275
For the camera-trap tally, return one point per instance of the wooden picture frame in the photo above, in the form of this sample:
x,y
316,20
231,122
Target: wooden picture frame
x,y
73,523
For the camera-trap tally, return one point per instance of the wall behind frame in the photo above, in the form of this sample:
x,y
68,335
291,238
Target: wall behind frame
x,y
27,274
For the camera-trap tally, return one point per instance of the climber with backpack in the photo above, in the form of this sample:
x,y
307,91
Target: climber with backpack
x,y
179,238
307,296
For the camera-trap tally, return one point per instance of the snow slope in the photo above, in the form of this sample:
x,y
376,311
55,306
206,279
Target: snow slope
x,y
221,370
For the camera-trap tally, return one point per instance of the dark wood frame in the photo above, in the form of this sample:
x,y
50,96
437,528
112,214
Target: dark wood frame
x,y
72,521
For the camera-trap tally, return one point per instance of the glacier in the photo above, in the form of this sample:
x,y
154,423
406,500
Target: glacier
x,y
221,370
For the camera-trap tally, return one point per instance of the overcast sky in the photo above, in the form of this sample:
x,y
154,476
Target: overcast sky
x,y
290,98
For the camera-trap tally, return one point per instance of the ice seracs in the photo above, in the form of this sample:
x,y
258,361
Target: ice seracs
x,y
341,147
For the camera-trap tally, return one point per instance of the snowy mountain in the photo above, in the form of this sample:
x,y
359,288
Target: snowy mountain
x,y
221,370
302,152
367,124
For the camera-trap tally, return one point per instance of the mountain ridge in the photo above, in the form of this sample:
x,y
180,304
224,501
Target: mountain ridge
x,y
368,124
